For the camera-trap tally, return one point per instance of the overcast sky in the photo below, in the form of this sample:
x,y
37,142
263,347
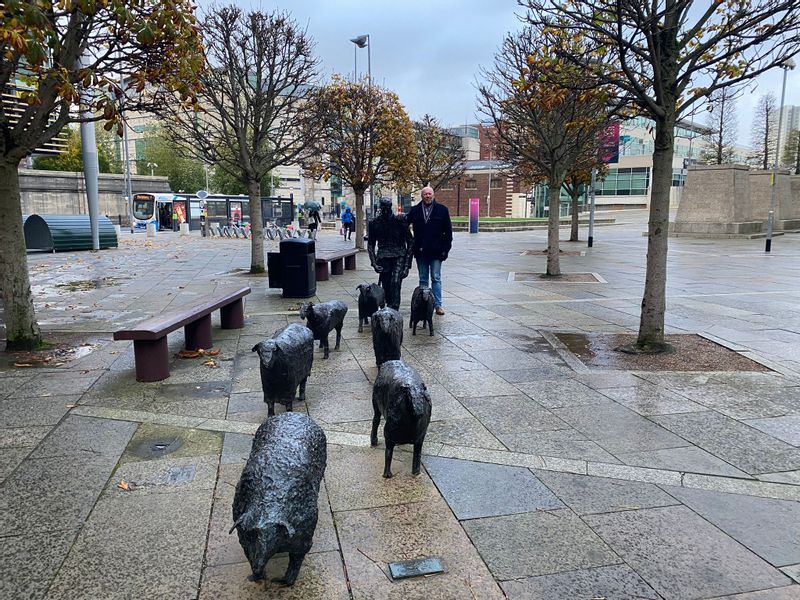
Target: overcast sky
x,y
429,51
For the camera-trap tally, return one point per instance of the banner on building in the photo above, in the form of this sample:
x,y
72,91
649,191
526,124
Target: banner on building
x,y
474,212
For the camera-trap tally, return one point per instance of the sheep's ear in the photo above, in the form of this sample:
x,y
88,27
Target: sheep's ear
x,y
285,524
255,348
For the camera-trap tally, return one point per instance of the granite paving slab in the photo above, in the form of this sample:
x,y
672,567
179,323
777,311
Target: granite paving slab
x,y
618,429
689,459
10,458
181,441
468,432
354,479
541,372
119,554
562,443
554,541
587,495
372,538
23,437
786,429
619,582
484,490
236,448
683,556
31,411
770,528
649,400
28,562
321,576
340,403
470,384
562,394
785,593
512,414
744,447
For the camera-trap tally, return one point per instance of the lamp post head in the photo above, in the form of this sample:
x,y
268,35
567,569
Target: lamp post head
x,y
788,64
361,41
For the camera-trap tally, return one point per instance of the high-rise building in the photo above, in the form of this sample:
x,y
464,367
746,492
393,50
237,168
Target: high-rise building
x,y
789,118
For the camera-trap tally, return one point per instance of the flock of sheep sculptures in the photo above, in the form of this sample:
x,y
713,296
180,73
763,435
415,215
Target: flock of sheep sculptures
x,y
275,505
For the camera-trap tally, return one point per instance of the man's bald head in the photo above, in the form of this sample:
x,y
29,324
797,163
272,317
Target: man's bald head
x,y
427,194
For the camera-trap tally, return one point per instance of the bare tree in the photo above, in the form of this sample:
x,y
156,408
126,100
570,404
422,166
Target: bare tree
x,y
668,55
764,131
254,94
545,127
53,56
367,138
440,155
723,127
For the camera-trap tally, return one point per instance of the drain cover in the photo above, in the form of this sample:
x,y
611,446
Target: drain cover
x,y
416,567
154,448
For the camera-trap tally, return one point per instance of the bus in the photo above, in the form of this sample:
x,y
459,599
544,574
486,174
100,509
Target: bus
x,y
169,210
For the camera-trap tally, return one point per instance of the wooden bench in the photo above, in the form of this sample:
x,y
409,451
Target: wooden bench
x,y
150,336
339,261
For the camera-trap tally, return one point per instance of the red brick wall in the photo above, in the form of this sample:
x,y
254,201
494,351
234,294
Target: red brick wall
x,y
499,207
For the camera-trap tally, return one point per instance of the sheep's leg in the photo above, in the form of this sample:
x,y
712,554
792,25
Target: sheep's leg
x,y
295,561
376,420
387,469
338,336
270,409
321,344
325,346
417,458
413,328
302,396
361,321
430,325
289,405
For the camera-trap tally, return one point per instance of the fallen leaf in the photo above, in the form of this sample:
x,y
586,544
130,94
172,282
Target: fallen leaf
x,y
22,365
210,363
189,354
72,405
212,352
123,485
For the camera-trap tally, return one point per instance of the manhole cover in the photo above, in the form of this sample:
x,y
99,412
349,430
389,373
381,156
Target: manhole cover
x,y
416,567
560,253
155,448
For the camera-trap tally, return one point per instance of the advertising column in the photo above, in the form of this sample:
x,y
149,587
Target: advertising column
x,y
474,211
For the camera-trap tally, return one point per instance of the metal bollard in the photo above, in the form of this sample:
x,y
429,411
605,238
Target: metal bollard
x,y
151,230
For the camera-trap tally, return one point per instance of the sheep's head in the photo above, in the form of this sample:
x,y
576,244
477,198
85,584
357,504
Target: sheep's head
x,y
305,310
266,350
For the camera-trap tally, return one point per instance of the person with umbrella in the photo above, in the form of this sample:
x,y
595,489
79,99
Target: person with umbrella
x,y
313,216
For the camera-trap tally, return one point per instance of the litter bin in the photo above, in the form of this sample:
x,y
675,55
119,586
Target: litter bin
x,y
297,268
275,269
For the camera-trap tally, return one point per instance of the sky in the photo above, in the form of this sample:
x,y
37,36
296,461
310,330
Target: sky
x,y
429,51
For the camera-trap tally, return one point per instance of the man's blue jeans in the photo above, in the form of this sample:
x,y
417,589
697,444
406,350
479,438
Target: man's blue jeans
x,y
430,267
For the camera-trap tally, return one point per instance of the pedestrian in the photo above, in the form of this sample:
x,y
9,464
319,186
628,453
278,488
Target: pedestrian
x,y
314,221
433,238
348,223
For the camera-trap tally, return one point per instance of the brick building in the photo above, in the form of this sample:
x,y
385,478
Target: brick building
x,y
505,198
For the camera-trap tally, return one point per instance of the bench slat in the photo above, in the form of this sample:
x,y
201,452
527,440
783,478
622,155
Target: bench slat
x,y
329,256
159,326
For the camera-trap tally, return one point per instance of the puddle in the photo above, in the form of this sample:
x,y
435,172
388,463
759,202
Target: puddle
x,y
86,285
156,447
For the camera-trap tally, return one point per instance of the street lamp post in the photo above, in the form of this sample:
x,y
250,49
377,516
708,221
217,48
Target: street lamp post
x,y
786,65
360,42
152,166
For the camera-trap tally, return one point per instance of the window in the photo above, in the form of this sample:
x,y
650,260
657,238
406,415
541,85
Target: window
x,y
446,186
625,182
471,185
495,184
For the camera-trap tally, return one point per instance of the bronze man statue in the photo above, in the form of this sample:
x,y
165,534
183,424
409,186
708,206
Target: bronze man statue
x,y
395,251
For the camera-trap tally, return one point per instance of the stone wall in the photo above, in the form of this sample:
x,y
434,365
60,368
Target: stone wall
x,y
733,201
61,192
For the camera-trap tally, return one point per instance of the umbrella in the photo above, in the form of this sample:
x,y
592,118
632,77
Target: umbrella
x,y
311,205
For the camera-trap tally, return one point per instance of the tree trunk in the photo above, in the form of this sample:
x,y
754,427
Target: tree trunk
x,y
256,228
554,196
575,194
651,323
22,330
359,210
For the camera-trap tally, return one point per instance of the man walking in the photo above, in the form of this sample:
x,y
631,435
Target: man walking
x,y
433,238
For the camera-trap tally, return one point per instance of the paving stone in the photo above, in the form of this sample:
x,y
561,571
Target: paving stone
x,y
784,593
188,442
477,342
30,411
689,459
321,576
22,437
786,428
505,358
341,403
587,495
603,381
649,400
736,443
168,475
563,443
236,448
10,458
554,541
354,479
792,571
69,384
619,582
681,555
770,528
473,384
86,436
792,477
618,429
512,414
733,402
28,562
467,432
372,538
118,551
561,394
444,404
483,490
535,373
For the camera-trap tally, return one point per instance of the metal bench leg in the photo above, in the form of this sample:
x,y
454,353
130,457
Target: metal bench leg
x,y
232,315
350,262
198,333
152,359
321,269
337,266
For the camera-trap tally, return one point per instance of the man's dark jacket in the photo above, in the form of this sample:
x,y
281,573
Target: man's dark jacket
x,y
433,239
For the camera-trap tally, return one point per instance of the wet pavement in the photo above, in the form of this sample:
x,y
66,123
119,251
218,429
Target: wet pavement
x,y
546,475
